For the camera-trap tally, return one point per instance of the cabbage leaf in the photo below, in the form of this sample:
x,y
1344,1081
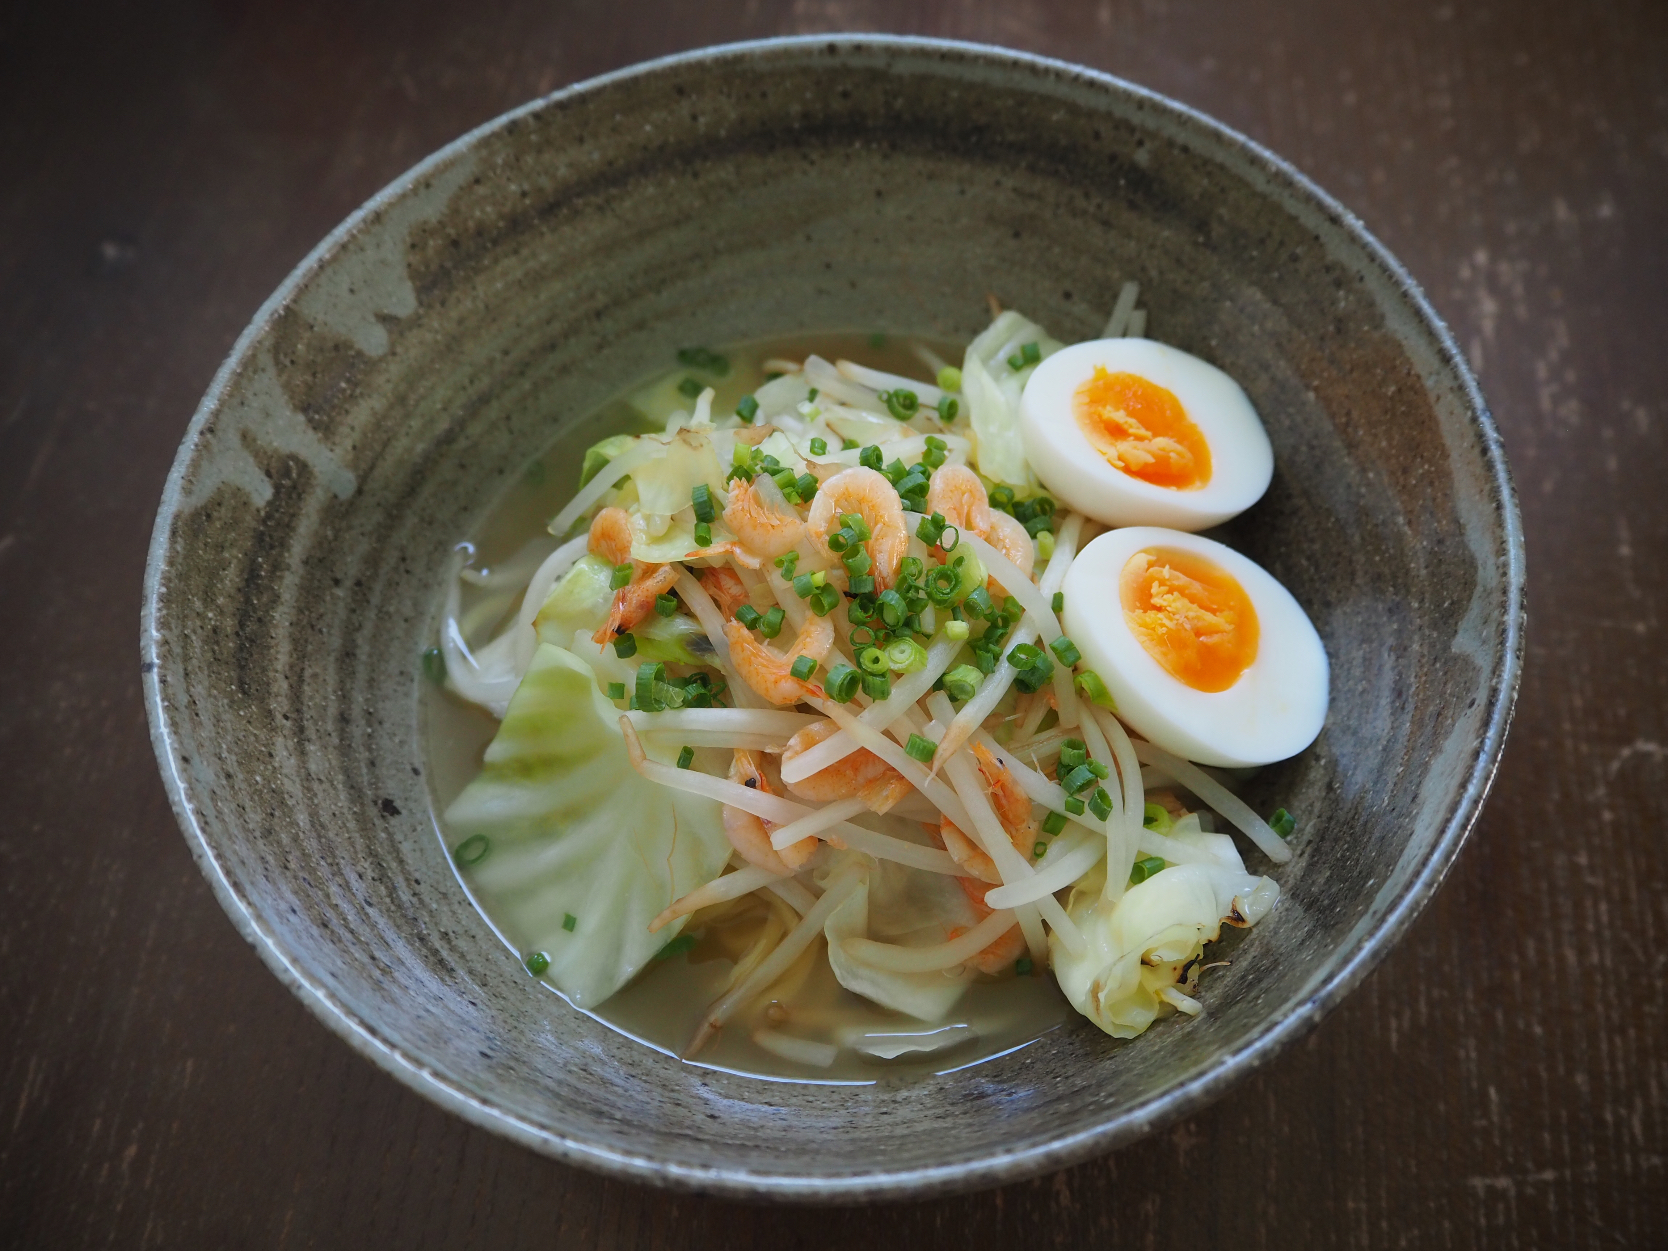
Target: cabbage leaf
x,y
911,908
1144,942
992,389
576,832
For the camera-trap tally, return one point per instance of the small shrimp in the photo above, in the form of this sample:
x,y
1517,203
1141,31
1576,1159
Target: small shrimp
x,y
634,602
871,496
1002,953
957,495
749,834
716,550
1013,809
861,774
766,672
763,530
725,588
611,536
1009,536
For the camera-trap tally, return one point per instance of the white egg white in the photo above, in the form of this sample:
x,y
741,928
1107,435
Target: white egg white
x,y
1073,470
1273,711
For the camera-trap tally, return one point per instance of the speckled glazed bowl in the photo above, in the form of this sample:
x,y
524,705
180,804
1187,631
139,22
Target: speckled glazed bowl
x,y
529,271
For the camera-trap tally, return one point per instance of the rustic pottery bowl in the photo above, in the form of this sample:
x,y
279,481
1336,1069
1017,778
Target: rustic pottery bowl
x,y
523,275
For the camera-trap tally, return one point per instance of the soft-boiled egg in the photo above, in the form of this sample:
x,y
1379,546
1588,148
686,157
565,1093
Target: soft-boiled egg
x,y
1135,433
1206,654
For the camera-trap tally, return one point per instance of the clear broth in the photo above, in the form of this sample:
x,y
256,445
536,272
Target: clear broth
x,y
663,1005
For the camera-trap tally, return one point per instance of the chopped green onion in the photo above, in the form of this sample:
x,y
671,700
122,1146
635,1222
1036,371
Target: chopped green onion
x,y
1054,822
666,605
616,690
956,631
910,569
787,563
434,665
872,660
749,616
892,608
472,850
978,604
1099,768
819,447
806,487
857,562
855,523
1023,966
947,408
1144,868
1066,651
703,534
803,586
1100,803
931,529
803,667
1090,684
690,387
842,683
951,546
1073,753
811,396
1156,817
933,457
704,359
625,646
848,445
963,682
877,685
1074,805
569,921
1024,656
949,378
906,656
701,498
863,584
771,626
747,409
900,403
1045,544
922,749
621,577
1059,601
686,757
870,457
1038,850
679,945
1282,823
1013,608
1078,779
648,678
537,962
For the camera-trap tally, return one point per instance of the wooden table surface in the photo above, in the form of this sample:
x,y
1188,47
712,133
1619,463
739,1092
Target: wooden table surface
x,y
1499,1082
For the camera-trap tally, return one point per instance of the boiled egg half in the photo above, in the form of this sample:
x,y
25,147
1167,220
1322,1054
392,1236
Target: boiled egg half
x,y
1206,654
1135,433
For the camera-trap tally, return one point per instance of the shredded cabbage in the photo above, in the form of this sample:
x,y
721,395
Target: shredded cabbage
x,y
992,389
911,908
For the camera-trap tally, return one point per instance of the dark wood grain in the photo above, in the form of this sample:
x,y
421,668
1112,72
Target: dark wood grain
x,y
1499,1082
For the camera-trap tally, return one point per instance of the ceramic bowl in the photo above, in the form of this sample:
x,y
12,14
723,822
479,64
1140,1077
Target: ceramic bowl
x,y
520,277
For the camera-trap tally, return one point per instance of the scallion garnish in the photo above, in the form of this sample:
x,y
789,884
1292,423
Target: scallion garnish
x,y
747,409
842,683
679,945
1100,803
1054,822
537,962
1074,805
616,690
472,850
922,749
621,577
771,625
1090,684
803,667
906,656
666,605
690,387
703,534
686,757
1282,823
569,921
870,457
749,616
949,378
701,499
963,682
819,447
625,646
1144,868
1059,604
877,685
1023,966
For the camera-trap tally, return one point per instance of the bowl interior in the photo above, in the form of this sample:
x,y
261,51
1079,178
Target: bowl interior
x,y
508,286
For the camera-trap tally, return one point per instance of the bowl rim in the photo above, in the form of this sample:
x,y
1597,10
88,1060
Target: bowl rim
x,y
1189,1094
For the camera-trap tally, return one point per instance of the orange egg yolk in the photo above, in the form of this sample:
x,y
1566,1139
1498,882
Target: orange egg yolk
x,y
1142,429
1191,615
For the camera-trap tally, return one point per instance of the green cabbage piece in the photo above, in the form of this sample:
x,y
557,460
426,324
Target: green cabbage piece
x,y
577,832
580,602
911,908
599,454
666,484
992,389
